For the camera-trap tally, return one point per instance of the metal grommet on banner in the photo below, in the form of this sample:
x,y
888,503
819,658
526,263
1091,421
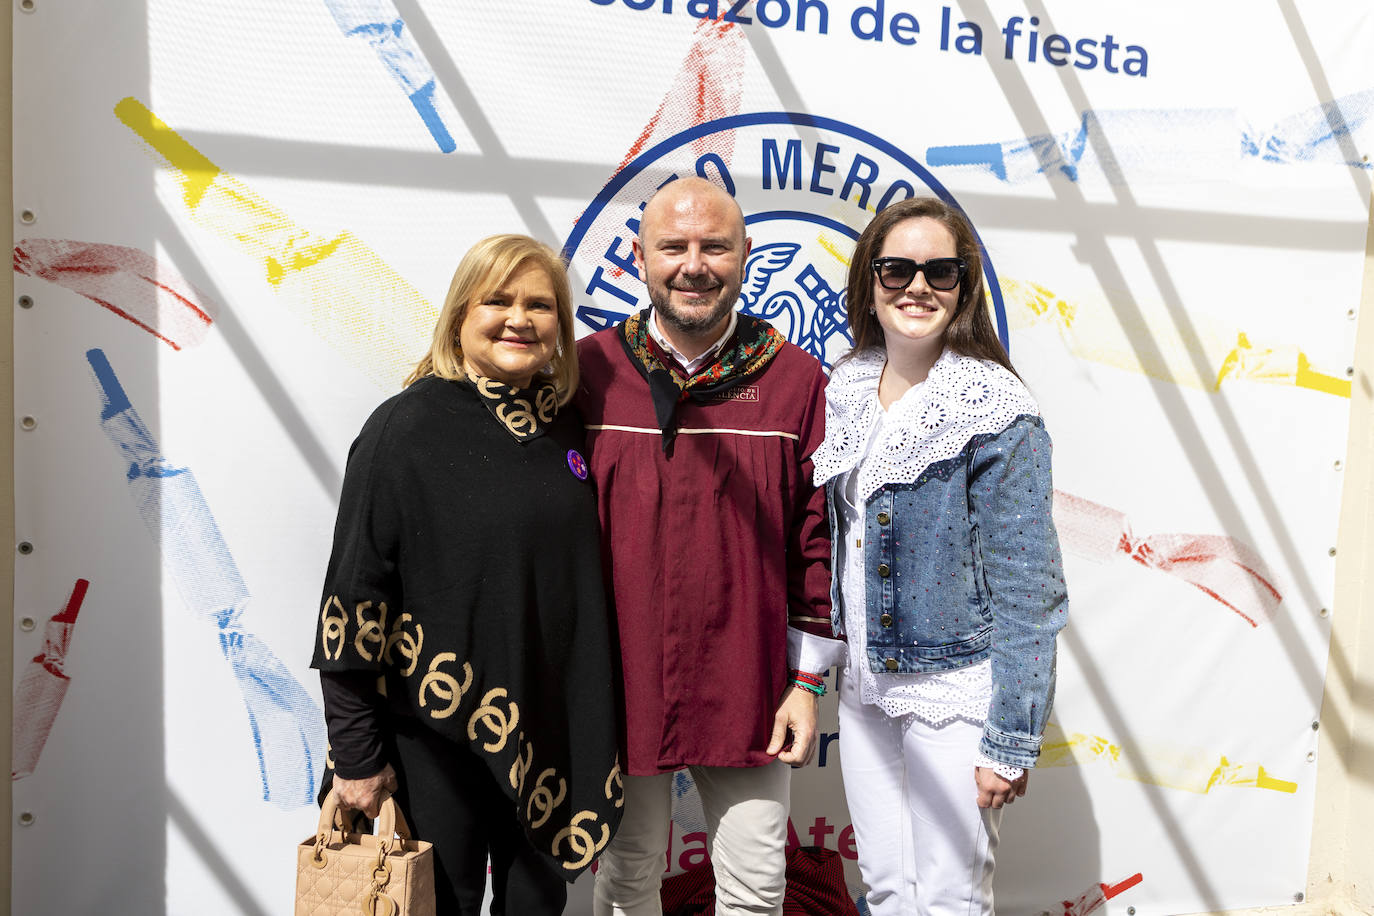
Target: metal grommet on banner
x,y
27,6
1338,464
1298,897
27,216
1316,725
1350,371
26,302
1331,552
26,818
27,624
1311,756
25,548
28,422
1324,612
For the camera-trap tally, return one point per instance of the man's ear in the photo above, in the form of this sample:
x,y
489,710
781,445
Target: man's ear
x,y
638,251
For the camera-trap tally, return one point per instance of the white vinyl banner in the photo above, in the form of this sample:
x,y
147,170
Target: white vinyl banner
x,y
235,222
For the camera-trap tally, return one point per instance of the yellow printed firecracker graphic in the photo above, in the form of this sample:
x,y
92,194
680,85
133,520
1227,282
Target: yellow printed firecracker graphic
x,y
335,283
1188,769
1204,359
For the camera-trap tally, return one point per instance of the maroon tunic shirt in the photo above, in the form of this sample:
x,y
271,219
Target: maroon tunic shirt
x,y
708,550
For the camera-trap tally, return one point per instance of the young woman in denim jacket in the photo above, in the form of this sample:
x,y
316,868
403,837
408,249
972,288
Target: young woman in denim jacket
x,y
947,574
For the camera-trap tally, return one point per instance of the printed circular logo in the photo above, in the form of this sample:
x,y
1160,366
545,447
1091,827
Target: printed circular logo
x,y
807,186
577,464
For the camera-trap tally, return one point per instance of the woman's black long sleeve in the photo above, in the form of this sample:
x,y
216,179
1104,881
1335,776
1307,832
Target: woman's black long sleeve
x,y
354,713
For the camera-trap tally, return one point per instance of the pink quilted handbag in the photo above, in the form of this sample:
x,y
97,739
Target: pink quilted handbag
x,y
339,871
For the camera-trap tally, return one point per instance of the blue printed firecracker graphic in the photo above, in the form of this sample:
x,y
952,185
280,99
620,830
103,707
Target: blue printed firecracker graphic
x,y
287,726
1137,146
378,23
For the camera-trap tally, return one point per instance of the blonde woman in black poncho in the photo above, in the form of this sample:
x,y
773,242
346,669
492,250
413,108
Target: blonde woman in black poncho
x,y
462,640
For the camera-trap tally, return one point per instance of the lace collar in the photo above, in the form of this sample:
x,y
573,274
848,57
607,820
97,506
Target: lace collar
x,y
524,412
961,398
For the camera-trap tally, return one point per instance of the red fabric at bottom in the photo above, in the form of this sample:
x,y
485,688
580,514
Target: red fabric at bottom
x,y
815,887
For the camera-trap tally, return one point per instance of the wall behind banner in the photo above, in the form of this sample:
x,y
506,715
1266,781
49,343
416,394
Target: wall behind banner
x,y
154,716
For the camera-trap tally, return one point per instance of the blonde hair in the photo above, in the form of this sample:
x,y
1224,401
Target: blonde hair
x,y
487,267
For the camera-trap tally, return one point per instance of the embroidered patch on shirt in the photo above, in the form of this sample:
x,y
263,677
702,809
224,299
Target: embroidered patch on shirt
x,y
738,393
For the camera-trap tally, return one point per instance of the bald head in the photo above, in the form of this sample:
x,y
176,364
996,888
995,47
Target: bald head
x,y
691,253
687,195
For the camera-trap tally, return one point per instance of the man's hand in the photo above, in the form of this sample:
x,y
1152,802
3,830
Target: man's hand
x,y
796,714
366,795
994,791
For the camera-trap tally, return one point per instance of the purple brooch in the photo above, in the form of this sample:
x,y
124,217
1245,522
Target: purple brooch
x,y
577,464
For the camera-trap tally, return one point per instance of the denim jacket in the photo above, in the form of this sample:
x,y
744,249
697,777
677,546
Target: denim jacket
x,y
959,544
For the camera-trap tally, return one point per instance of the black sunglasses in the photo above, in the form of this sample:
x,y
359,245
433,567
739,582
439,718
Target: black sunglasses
x,y
941,273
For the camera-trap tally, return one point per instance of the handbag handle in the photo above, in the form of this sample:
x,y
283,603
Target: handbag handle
x,y
390,821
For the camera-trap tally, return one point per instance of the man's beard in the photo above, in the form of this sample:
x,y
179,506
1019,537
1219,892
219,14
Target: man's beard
x,y
690,324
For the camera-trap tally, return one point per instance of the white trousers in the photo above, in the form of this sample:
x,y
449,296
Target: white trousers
x,y
746,830
925,847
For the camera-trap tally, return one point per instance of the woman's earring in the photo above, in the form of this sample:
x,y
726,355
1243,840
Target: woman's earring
x,y
872,310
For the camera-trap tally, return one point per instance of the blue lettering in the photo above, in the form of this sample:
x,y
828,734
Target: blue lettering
x,y
1136,66
864,181
598,282
972,43
820,166
904,28
761,10
1086,58
733,15
600,319
722,172
1056,45
805,6
1108,46
773,164
898,185
626,261
874,12
1011,30
826,738
774,14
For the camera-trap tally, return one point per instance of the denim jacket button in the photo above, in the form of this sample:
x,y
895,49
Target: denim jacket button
x,y
885,620
884,570
884,518
891,664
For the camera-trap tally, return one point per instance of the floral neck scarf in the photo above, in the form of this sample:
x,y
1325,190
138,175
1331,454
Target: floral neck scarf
x,y
524,412
754,343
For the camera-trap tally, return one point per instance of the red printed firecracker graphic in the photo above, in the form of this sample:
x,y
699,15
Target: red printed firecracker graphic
x,y
1094,897
130,283
1223,568
43,686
